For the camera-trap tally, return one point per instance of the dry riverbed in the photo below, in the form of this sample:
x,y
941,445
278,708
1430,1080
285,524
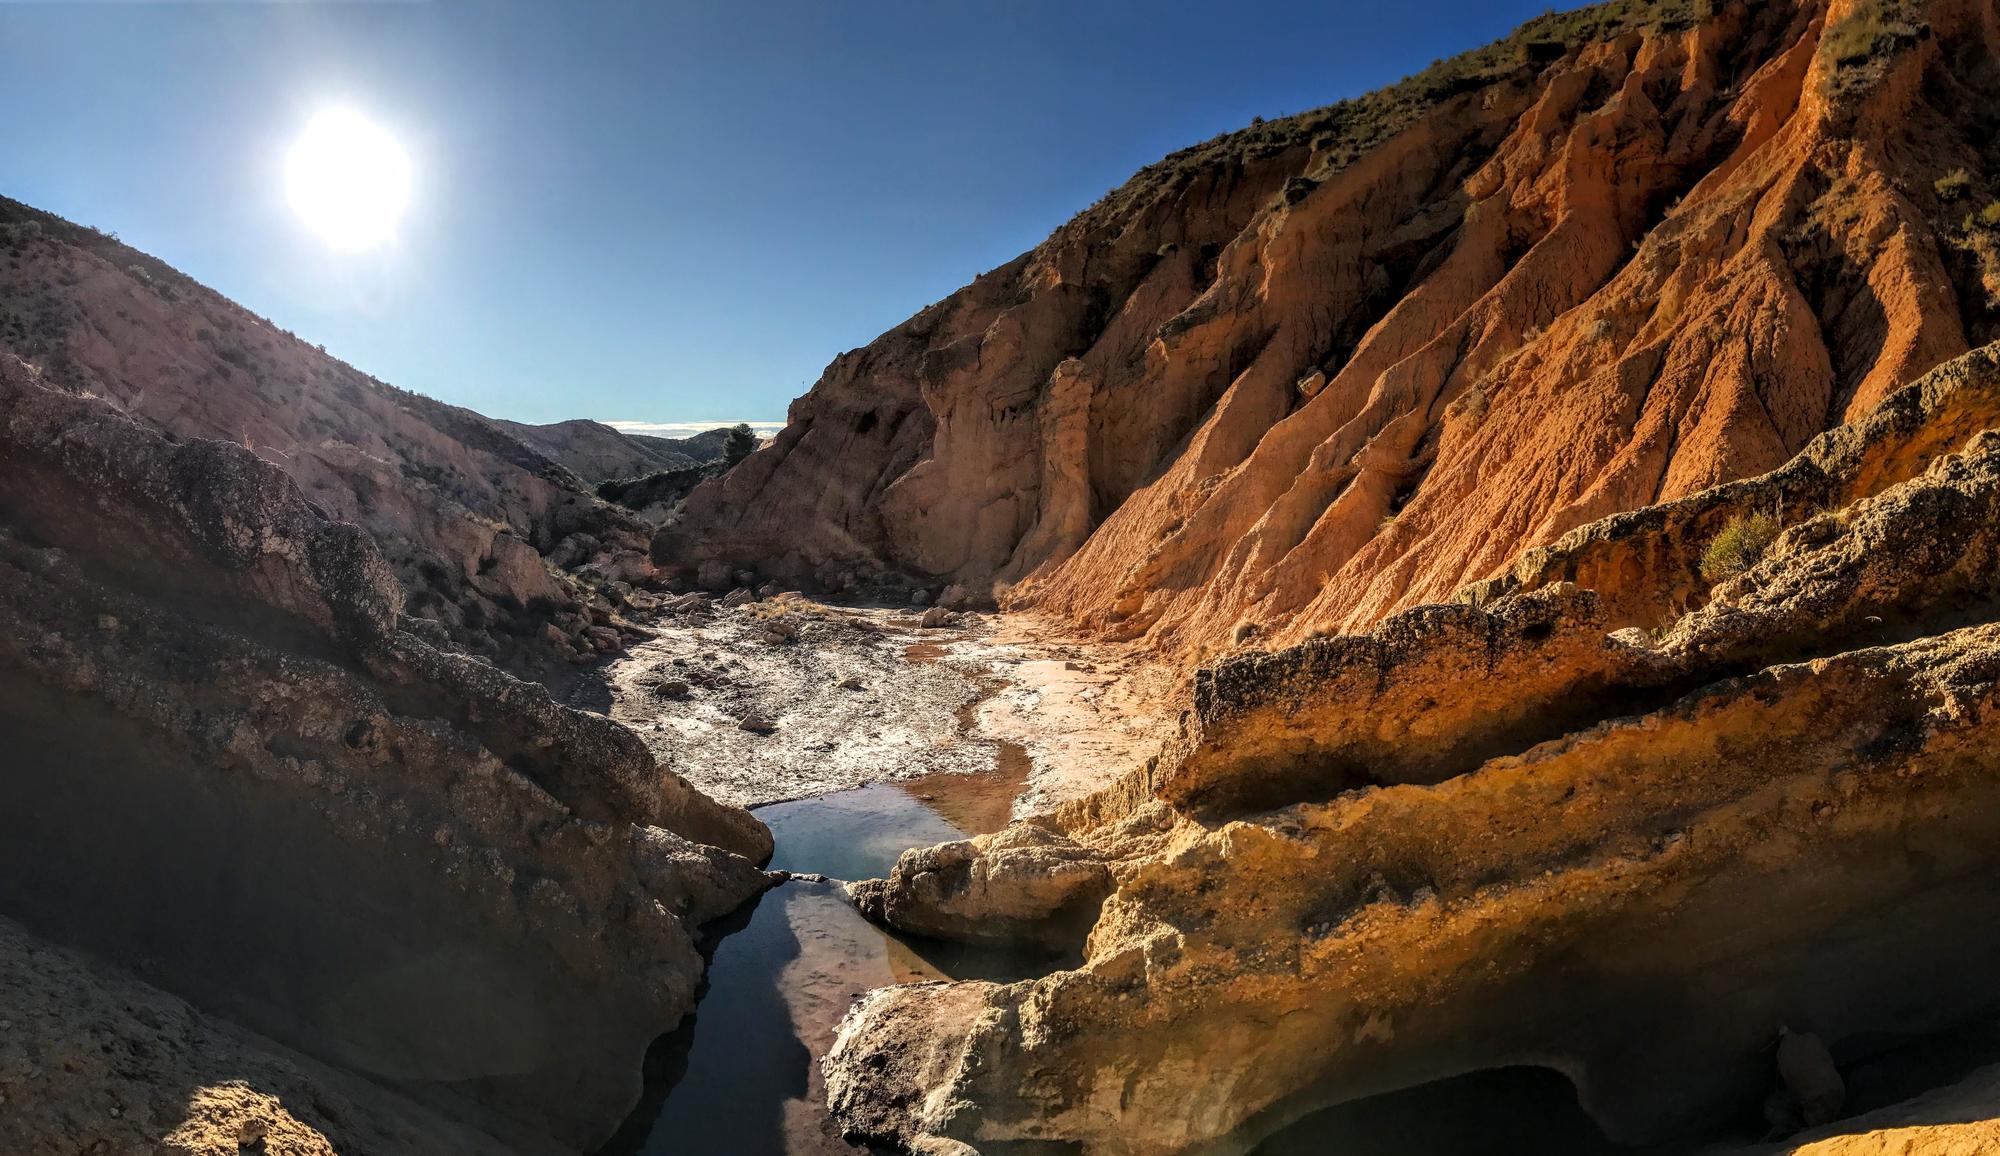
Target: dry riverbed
x,y
788,698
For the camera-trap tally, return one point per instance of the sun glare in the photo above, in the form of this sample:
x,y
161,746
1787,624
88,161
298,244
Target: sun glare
x,y
348,180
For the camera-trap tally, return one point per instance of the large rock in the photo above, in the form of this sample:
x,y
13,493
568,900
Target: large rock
x,y
1506,834
230,767
1626,255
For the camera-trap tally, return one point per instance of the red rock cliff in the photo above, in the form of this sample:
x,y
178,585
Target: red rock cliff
x,y
1307,374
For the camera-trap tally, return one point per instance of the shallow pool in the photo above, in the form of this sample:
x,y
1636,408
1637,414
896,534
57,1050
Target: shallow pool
x,y
741,1078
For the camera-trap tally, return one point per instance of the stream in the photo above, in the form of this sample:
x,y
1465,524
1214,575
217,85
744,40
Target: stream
x,y
785,972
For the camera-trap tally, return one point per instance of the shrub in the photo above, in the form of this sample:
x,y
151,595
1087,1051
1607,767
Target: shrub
x,y
738,445
1989,217
1470,407
1952,185
1736,548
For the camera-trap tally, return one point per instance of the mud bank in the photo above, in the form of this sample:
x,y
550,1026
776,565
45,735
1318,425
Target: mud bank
x,y
789,698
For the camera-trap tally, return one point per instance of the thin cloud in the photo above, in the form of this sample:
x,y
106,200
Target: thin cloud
x,y
683,429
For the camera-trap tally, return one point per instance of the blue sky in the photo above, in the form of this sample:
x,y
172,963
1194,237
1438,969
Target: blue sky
x,y
668,212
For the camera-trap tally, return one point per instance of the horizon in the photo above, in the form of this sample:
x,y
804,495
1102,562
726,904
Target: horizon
x,y
649,292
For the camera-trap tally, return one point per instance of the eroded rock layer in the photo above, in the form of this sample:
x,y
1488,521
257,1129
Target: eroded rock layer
x,y
1333,366
1629,835
231,768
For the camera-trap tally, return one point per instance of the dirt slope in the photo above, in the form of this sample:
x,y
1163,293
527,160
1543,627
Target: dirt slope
x,y
479,527
1328,367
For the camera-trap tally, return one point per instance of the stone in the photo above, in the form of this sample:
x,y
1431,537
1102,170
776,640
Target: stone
x,y
1333,871
741,596
713,576
1806,1068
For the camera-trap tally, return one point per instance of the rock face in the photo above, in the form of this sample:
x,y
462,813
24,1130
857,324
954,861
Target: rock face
x,y
1332,366
469,518
1632,834
232,768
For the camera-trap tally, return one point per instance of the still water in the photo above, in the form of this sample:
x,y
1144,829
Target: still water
x,y
742,1078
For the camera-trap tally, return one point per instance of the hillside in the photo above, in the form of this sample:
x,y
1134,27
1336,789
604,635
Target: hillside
x,y
595,452
239,772
1311,373
480,528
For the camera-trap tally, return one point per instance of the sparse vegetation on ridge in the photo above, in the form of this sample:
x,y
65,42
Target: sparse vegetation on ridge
x,y
1344,131
1860,46
1738,546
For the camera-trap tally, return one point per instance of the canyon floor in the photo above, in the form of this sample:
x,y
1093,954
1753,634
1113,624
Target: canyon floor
x,y
789,698
869,733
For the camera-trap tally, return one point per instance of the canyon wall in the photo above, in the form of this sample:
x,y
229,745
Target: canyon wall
x,y
1332,366
1634,834
481,530
237,770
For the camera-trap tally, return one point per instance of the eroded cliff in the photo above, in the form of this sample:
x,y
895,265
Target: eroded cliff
x,y
1630,834
1333,366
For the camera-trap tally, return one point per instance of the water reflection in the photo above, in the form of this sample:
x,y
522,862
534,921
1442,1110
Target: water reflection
x,y
742,1077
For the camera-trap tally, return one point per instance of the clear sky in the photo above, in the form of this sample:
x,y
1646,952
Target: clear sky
x,y
652,212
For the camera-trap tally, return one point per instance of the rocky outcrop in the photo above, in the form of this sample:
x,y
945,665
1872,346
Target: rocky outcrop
x,y
235,770
1515,831
480,529
1337,365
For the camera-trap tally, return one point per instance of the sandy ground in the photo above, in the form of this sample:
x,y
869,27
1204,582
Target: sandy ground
x,y
92,1060
789,698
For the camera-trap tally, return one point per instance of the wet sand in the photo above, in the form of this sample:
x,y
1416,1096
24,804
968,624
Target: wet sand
x,y
850,696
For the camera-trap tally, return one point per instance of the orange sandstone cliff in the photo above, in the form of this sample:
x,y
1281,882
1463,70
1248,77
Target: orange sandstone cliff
x,y
1310,373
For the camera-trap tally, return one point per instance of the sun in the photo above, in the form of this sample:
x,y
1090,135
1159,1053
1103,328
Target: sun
x,y
349,180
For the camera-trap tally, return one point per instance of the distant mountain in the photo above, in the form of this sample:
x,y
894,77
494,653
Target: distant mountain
x,y
596,452
705,446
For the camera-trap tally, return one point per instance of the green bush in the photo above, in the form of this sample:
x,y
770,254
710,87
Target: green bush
x,y
1952,185
1736,548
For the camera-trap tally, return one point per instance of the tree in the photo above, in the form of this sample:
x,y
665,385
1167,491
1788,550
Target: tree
x,y
739,443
